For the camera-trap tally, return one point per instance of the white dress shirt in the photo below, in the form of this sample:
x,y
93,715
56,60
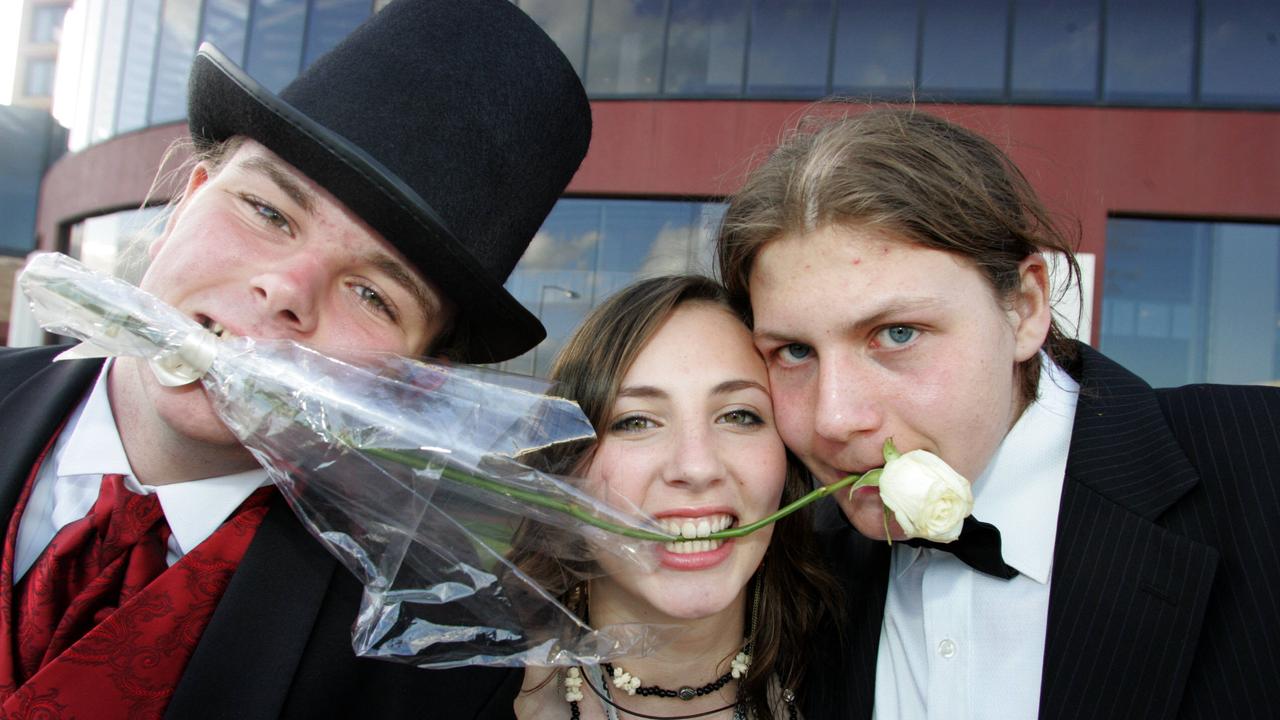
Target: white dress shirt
x,y
957,643
89,447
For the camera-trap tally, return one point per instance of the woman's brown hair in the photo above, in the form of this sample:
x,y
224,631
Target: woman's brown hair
x,y
798,595
915,175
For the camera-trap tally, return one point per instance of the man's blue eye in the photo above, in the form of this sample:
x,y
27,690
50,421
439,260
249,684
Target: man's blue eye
x,y
900,334
796,351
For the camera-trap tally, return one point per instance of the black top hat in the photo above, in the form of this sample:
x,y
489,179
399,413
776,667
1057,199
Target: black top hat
x,y
450,127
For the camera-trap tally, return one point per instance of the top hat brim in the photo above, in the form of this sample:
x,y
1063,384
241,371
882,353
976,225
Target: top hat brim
x,y
224,101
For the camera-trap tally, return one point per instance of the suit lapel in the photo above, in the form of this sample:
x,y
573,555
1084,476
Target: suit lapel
x,y
246,660
1128,597
33,409
842,670
867,613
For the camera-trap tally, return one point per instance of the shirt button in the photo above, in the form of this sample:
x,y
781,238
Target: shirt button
x,y
947,649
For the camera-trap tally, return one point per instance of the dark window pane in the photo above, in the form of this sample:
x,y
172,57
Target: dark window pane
x,y
24,146
139,56
173,64
107,81
39,80
1191,302
876,46
1148,51
46,23
964,48
1240,44
626,47
588,249
566,22
1055,50
225,25
789,48
705,46
330,22
275,41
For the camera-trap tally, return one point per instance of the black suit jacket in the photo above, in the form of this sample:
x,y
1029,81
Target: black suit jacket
x,y
1165,594
279,642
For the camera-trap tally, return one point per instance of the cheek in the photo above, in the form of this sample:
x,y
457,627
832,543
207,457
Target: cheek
x,y
793,412
616,476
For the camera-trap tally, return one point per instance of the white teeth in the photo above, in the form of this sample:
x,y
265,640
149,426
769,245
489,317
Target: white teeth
x,y
217,329
692,530
688,547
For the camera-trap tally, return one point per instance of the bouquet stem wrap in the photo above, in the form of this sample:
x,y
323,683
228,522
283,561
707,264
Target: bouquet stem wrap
x,y
409,473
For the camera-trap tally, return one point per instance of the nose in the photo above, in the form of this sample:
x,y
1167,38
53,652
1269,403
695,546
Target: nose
x,y
289,293
846,403
695,462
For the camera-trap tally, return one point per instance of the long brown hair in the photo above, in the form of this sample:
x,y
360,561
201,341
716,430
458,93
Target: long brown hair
x,y
915,175
797,594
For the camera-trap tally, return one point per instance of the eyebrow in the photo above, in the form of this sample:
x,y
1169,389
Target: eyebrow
x,y
285,181
879,316
724,388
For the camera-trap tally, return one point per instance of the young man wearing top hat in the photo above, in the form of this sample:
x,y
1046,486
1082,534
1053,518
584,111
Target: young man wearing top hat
x,y
378,203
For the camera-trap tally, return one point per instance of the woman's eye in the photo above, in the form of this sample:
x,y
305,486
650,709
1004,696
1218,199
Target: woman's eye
x,y
795,352
375,300
743,417
632,423
899,334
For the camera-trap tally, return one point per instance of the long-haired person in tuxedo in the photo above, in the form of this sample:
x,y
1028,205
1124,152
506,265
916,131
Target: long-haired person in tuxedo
x,y
893,267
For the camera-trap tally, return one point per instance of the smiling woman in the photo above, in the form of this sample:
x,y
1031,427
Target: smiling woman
x,y
679,399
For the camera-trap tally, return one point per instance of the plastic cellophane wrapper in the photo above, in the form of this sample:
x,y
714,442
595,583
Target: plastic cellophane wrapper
x,y
414,475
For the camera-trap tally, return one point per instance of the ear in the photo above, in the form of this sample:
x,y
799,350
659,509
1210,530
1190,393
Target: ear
x,y
200,174
1030,310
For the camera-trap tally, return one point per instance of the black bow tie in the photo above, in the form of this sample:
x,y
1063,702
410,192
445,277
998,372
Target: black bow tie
x,y
978,547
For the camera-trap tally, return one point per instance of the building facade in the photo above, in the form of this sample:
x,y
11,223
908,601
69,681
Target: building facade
x,y
1150,127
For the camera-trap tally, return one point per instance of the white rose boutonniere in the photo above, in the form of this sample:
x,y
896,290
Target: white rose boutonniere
x,y
928,499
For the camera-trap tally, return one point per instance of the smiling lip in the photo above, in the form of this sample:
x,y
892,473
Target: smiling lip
x,y
214,326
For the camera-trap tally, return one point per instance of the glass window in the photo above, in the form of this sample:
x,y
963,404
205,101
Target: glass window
x,y
588,249
329,22
790,45
566,22
1240,47
75,107
225,25
107,79
1148,51
1187,302
139,57
964,48
876,44
23,159
706,43
275,42
46,23
39,80
625,47
1055,50
116,243
173,63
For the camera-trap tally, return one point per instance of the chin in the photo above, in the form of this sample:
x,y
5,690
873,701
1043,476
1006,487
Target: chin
x,y
188,412
866,513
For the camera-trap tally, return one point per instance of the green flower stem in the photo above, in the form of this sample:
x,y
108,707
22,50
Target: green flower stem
x,y
454,474
418,462
853,482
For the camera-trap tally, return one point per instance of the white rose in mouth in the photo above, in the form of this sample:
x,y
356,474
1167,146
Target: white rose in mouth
x,y
929,499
